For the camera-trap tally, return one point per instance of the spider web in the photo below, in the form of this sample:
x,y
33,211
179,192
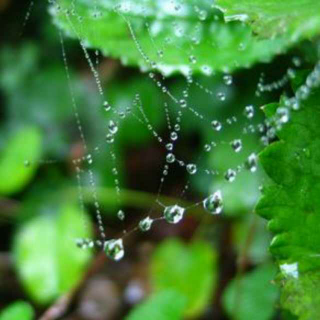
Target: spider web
x,y
178,108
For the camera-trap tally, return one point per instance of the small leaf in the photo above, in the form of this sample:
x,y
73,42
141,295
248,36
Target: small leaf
x,y
18,162
190,270
18,310
252,296
164,305
295,19
46,257
188,36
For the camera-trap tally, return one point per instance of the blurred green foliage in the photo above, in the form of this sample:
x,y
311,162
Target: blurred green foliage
x,y
17,311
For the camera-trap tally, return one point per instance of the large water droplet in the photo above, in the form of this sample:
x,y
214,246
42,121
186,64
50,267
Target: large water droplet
x,y
227,79
173,214
114,249
109,138
145,224
214,203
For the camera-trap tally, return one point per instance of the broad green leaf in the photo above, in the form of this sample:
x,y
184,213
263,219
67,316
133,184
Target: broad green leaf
x,y
164,305
18,310
295,19
292,205
46,256
18,160
252,296
182,37
190,270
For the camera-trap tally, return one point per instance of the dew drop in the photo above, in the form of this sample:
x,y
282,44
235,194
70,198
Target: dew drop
x,y
192,59
173,136
27,163
216,125
112,126
192,168
169,146
173,214
252,162
106,106
214,203
249,111
236,145
121,215
230,175
109,138
145,224
221,96
114,249
183,103
170,158
227,79
283,115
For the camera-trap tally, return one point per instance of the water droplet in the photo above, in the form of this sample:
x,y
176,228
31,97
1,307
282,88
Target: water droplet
x,y
170,158
249,111
192,168
173,136
27,163
207,147
169,146
106,106
216,125
121,215
183,103
252,162
112,126
227,79
236,145
221,96
145,224
214,203
192,59
114,249
109,138
173,214
283,115
230,175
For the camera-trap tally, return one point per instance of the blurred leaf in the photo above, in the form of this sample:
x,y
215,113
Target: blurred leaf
x,y
18,310
295,19
252,296
164,305
47,259
182,37
19,160
291,204
252,226
190,270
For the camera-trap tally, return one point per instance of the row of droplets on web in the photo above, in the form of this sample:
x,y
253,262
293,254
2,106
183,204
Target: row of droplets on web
x,y
174,213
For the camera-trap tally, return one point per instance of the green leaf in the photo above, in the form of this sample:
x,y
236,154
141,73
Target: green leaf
x,y
18,161
190,36
295,19
46,256
164,305
252,296
190,270
17,311
292,205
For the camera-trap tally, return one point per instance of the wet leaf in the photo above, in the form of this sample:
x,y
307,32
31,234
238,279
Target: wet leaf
x,y
170,38
291,204
295,19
